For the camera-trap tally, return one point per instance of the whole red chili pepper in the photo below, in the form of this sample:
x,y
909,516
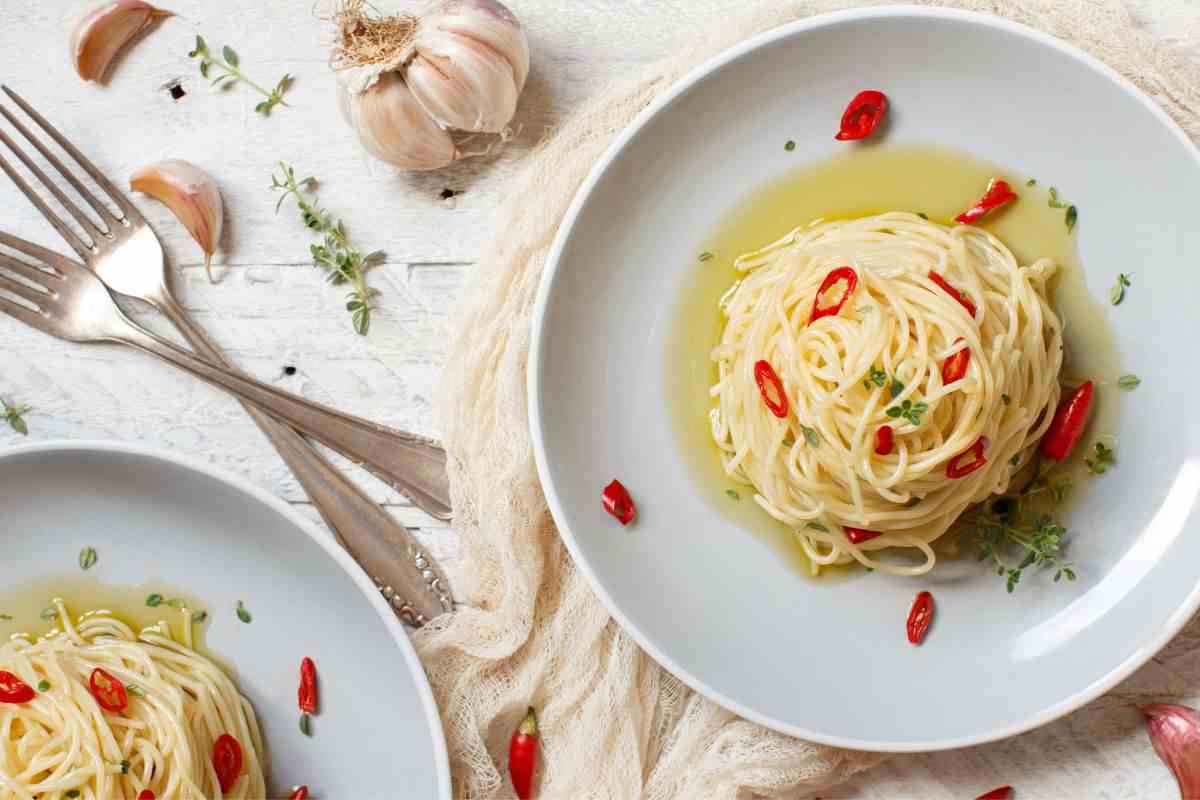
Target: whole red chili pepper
x,y
955,468
919,617
1067,425
771,388
862,115
227,761
998,193
884,440
14,690
109,692
522,755
955,293
308,686
301,793
146,794
955,367
618,502
860,535
999,793
835,276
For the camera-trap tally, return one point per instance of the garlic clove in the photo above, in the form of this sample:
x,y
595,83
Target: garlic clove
x,y
1175,733
392,126
191,195
489,23
461,83
104,30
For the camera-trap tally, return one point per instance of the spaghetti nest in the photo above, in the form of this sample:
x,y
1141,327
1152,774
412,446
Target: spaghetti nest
x,y
922,293
64,743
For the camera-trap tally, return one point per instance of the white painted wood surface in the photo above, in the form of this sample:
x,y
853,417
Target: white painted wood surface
x,y
272,309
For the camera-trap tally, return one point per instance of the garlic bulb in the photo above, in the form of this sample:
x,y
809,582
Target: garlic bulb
x,y
1175,733
406,83
104,30
193,198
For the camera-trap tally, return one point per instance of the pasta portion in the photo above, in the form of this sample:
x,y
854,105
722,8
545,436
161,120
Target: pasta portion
x,y
116,715
916,368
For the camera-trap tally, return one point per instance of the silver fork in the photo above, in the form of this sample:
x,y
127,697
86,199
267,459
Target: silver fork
x,y
128,258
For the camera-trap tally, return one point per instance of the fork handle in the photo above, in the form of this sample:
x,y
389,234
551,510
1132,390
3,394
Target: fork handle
x,y
409,579
414,465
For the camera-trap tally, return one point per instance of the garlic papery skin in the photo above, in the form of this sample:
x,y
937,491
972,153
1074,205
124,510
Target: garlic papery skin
x,y
106,29
191,195
463,64
1175,733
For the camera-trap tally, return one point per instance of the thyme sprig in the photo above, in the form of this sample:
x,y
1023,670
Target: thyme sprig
x,y
341,262
230,73
13,415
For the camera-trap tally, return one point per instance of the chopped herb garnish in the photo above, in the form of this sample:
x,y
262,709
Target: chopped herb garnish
x,y
306,724
1016,459
49,614
199,616
177,603
810,436
43,685
875,376
1101,459
789,146
1117,293
242,613
1072,217
154,600
732,494
896,388
5,618
922,215
12,415
909,410
124,765
87,558
1005,399
1031,182
1054,202
135,690
71,793
1129,382
816,526
706,256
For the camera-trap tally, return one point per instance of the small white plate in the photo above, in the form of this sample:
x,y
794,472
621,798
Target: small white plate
x,y
155,517
829,661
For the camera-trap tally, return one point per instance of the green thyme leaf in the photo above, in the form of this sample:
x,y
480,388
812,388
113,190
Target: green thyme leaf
x,y
1016,459
306,724
124,765
810,436
705,256
1129,382
49,614
817,526
1031,182
1117,293
923,215
789,146
242,613
1054,202
1071,218
12,414
732,495
199,617
230,57
135,690
177,603
1101,459
896,388
71,793
154,600
1005,399
88,558
6,618
43,685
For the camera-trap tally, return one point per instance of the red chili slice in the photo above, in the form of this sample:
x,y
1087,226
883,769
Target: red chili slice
x,y
146,794
1067,425
862,115
14,690
618,502
835,276
999,793
955,468
227,760
301,793
919,617
108,691
955,367
771,388
860,535
308,686
955,293
884,440
998,193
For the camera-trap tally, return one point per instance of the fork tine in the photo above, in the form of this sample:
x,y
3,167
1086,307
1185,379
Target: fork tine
x,y
109,218
28,316
27,271
112,191
48,257
65,232
58,193
8,284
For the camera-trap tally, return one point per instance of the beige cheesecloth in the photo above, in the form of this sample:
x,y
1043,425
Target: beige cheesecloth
x,y
615,724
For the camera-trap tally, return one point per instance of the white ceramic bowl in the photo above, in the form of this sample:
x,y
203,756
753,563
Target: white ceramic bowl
x,y
166,522
829,661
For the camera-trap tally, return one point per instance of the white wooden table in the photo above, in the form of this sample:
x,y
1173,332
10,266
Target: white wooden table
x,y
272,310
